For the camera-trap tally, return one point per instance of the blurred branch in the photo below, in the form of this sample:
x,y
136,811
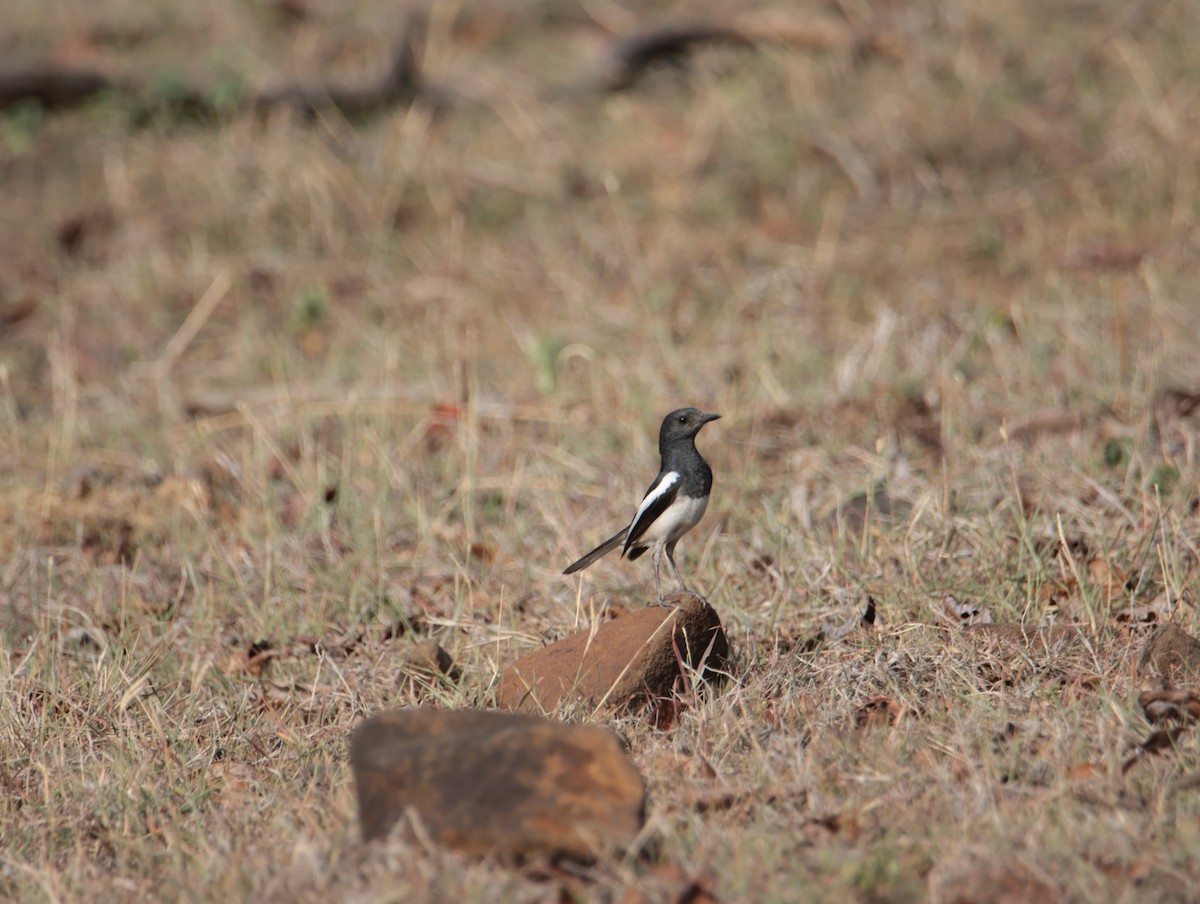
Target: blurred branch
x,y
57,88
401,84
622,65
628,58
53,88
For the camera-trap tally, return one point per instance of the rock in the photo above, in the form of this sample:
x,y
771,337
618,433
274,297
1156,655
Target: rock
x,y
626,661
510,785
1173,653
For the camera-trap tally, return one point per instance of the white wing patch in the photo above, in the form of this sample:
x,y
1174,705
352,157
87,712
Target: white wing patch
x,y
680,517
669,480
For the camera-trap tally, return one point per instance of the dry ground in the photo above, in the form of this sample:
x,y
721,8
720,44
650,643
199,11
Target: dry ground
x,y
280,397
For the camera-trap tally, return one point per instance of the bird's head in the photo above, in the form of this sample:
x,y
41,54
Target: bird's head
x,y
684,423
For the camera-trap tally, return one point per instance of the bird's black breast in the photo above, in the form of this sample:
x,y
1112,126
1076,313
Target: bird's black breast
x,y
695,474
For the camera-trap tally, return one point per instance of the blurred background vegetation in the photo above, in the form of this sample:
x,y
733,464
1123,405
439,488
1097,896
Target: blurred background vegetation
x,y
284,371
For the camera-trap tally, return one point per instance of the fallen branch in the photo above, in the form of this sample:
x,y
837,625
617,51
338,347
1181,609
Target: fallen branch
x,y
621,67
56,88
401,84
51,87
628,58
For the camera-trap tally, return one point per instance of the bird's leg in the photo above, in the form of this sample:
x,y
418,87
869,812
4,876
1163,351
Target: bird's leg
x,y
671,558
657,580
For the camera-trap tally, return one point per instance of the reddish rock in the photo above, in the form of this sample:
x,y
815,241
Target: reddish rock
x,y
509,785
630,660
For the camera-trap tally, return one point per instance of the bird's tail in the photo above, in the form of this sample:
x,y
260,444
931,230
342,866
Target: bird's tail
x,y
602,550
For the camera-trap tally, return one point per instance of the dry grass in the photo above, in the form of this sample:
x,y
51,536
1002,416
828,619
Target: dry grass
x,y
436,348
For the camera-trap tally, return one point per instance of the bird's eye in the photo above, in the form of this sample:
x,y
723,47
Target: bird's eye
x,y
683,418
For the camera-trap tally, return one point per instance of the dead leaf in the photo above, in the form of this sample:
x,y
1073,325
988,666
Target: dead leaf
x,y
11,316
1108,255
848,825
1109,579
1043,423
484,553
77,233
966,613
665,713
1138,616
1082,771
1058,595
611,610
876,711
667,883
427,663
709,800
313,343
1173,404
254,659
1170,408
304,643
1169,704
442,421
762,564
1160,740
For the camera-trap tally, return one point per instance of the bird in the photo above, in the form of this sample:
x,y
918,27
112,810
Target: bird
x,y
673,504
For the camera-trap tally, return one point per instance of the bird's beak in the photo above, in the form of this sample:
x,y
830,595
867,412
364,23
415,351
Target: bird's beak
x,y
709,417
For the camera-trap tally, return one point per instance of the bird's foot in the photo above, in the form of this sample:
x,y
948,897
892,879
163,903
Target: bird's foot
x,y
677,598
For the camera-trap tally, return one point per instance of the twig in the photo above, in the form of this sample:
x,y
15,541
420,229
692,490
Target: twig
x,y
57,88
400,84
50,86
194,323
628,58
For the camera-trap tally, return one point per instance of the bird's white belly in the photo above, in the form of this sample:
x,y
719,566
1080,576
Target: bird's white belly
x,y
679,518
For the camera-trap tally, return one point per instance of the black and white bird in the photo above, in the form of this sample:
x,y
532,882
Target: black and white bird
x,y
674,503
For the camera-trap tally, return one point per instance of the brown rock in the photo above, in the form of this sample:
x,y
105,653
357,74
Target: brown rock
x,y
486,783
1173,653
626,661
